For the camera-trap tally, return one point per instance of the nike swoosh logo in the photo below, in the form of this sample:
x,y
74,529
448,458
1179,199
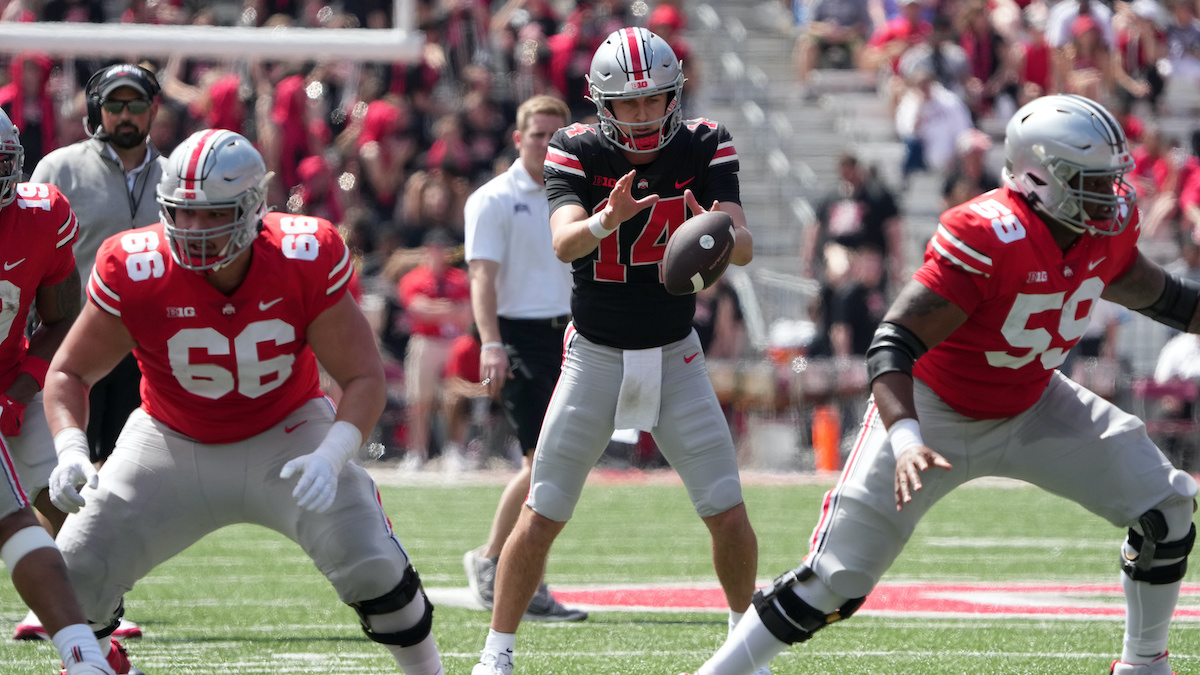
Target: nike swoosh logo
x,y
9,266
288,430
688,359
264,306
679,184
1092,265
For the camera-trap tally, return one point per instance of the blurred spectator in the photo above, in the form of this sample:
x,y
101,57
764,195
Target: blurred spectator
x,y
857,305
292,133
460,390
571,53
449,151
970,175
433,200
317,194
833,38
436,298
986,53
893,38
939,55
1060,26
929,119
1132,124
668,21
1084,64
19,11
30,106
719,322
1162,171
1141,42
384,150
1183,41
859,211
1033,57
74,11
484,133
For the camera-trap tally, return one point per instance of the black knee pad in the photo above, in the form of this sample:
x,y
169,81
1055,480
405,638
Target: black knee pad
x,y
791,619
113,623
394,600
1150,547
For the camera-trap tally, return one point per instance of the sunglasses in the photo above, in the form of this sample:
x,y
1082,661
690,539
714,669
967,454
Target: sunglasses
x,y
136,106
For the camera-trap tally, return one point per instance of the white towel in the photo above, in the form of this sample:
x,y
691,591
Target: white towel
x,y
641,389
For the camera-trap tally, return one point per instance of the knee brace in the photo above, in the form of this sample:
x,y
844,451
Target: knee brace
x,y
791,619
114,621
1142,549
394,600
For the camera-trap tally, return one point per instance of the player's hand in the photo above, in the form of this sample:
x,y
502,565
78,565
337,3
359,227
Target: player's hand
x,y
12,415
318,481
622,203
493,370
908,471
693,204
73,471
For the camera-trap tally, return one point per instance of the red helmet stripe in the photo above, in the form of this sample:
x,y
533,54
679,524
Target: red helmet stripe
x,y
189,175
635,54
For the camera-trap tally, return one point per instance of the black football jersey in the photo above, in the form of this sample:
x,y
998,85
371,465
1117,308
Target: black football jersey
x,y
618,298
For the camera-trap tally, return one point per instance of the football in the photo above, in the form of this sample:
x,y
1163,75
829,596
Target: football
x,y
698,253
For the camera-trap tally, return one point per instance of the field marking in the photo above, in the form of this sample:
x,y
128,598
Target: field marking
x,y
910,599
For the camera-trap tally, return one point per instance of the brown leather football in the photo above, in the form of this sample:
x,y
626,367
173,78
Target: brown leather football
x,y
698,253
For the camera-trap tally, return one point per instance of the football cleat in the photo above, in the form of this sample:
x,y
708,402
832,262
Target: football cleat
x,y
481,576
34,631
88,669
1159,666
118,662
494,663
543,607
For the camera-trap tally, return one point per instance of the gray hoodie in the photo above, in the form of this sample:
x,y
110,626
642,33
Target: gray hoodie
x,y
94,183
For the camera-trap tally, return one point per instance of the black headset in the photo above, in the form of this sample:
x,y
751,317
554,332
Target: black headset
x,y
147,79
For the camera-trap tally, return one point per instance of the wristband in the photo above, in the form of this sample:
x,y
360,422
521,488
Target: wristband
x,y
491,345
596,227
904,435
341,442
71,441
37,368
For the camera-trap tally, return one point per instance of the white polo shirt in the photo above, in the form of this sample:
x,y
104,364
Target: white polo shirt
x,y
508,221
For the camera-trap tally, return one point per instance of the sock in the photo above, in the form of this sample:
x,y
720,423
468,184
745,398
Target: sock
x,y
105,645
76,644
734,618
499,642
420,659
1148,610
749,647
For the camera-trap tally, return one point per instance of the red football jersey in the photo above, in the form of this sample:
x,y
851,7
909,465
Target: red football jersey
x,y
1027,301
217,368
36,233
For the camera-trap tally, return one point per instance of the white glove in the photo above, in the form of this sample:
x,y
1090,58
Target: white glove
x,y
74,469
320,468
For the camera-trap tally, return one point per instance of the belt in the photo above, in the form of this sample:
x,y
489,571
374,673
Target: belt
x,y
553,322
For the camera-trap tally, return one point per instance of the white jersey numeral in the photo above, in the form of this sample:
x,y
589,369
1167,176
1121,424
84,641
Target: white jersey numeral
x,y
253,378
144,260
1037,340
298,241
33,196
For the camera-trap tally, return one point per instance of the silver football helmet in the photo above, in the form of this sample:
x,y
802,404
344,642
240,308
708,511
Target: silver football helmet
x,y
12,159
213,169
1054,145
632,63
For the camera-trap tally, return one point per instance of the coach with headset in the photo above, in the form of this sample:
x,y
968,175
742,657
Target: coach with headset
x,y
110,180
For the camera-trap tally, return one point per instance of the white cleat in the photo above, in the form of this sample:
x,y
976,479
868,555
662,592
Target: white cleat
x,y
1159,666
34,631
89,669
494,663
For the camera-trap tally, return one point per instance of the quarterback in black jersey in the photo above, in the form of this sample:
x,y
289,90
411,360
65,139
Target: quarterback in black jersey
x,y
618,189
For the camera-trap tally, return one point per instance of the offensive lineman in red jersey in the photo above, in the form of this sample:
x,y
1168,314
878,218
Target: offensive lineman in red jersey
x,y
970,349
227,308
617,190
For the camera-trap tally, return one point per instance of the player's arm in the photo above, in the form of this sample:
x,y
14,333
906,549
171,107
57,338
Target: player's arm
x,y
916,321
94,345
576,234
1151,290
342,341
493,361
57,307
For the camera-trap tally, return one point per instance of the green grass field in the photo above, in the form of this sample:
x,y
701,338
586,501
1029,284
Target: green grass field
x,y
247,601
